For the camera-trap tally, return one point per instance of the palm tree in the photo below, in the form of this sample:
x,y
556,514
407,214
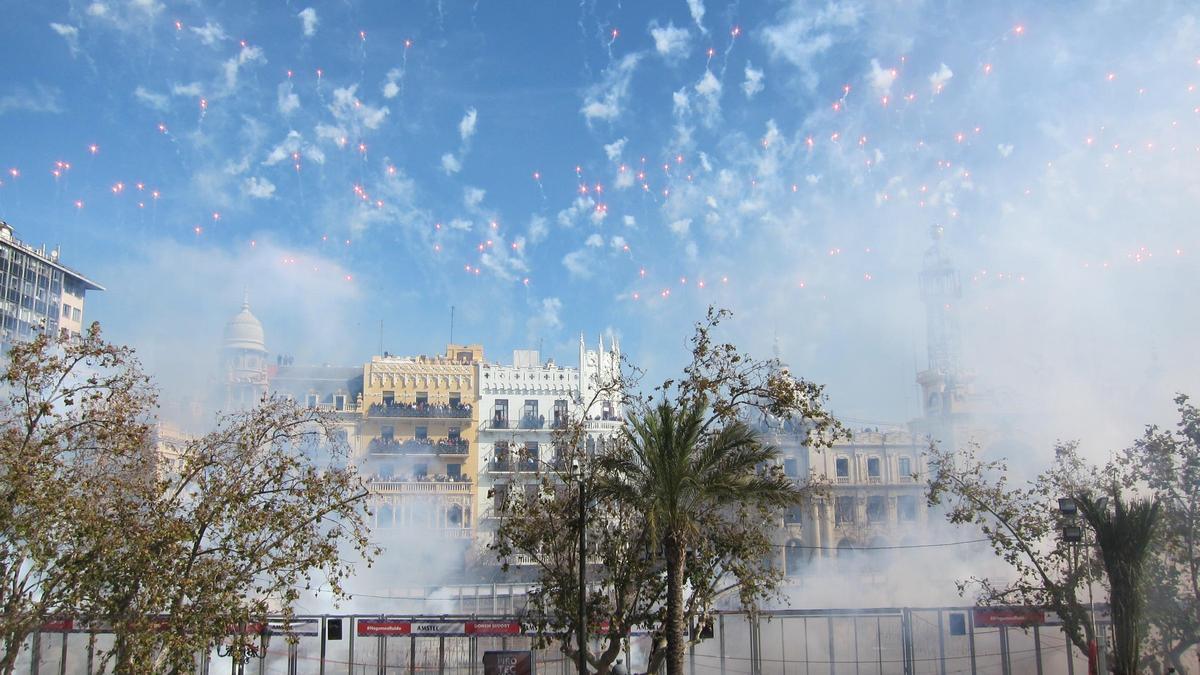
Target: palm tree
x,y
1124,536
679,469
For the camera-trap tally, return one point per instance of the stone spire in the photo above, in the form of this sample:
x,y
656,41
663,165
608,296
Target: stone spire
x,y
941,292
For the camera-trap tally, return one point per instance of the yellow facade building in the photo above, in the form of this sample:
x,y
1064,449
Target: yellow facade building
x,y
417,439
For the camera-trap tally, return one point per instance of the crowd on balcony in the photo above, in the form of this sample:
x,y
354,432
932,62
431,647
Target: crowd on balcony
x,y
397,409
499,421
416,478
515,464
421,446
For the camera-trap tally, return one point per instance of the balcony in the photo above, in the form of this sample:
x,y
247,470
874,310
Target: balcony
x,y
603,423
442,411
348,407
417,446
524,464
843,480
531,422
874,480
418,486
498,423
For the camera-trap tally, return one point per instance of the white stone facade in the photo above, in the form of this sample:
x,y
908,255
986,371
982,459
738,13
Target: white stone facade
x,y
875,496
521,406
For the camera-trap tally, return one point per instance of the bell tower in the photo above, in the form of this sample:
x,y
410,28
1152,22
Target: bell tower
x,y
945,384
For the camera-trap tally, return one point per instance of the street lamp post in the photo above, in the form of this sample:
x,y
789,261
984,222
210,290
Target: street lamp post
x,y
577,470
1073,536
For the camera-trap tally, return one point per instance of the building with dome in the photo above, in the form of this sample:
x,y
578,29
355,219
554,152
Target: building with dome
x,y
244,360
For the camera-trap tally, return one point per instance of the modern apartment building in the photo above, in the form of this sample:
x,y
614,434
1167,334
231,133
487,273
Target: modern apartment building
x,y
39,292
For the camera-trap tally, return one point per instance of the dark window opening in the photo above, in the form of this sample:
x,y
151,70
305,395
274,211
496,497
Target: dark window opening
x,y
844,510
843,467
790,467
876,509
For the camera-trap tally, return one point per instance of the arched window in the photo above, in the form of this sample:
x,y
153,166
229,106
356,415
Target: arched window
x,y
876,553
934,402
795,557
454,515
845,549
421,513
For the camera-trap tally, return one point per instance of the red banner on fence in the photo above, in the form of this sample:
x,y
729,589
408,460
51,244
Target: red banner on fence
x,y
58,626
995,617
490,628
384,627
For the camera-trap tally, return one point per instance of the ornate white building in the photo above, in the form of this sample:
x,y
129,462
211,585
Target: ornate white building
x,y
521,407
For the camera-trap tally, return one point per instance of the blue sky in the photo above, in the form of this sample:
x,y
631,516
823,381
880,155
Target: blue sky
x,y
549,168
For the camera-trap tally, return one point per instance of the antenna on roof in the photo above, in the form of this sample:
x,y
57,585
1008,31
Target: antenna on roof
x,y
451,324
381,336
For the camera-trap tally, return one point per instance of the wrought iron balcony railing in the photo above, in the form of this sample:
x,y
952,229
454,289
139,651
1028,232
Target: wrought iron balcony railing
x,y
417,446
460,410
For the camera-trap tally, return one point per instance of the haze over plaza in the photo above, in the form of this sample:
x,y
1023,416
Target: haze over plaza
x,y
551,168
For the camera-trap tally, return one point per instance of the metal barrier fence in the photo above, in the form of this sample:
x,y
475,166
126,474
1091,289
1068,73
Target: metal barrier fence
x,y
903,641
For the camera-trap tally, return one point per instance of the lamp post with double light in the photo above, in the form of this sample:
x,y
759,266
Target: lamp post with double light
x,y
577,472
1073,536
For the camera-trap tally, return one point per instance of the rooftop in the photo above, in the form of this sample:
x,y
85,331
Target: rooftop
x,y
50,258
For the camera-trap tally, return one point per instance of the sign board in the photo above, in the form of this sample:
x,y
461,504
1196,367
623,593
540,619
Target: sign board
x,y
507,663
1020,617
1024,617
438,628
1103,614
304,627
493,628
383,627
58,626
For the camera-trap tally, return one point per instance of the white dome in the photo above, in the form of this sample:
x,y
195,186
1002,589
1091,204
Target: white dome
x,y
244,331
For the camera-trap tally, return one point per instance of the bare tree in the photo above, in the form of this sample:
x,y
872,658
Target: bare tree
x,y
175,553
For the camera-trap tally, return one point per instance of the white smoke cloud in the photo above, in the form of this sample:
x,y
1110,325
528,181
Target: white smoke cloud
x,y
939,79
605,100
696,9
753,83
669,41
308,21
258,188
466,127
